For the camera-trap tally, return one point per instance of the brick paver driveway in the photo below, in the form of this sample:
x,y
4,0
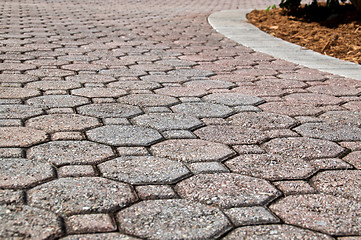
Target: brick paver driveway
x,y
136,120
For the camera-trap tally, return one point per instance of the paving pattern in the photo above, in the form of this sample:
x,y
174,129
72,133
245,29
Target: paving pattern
x,y
136,120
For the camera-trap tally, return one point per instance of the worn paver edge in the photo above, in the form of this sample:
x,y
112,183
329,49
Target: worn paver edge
x,y
233,24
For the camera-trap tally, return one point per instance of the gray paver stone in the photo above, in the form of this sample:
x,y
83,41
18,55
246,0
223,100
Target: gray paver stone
x,y
100,236
10,92
203,109
233,99
148,100
54,101
109,110
19,111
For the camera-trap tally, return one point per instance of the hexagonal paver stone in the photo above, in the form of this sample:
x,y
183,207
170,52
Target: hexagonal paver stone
x,y
99,92
90,78
124,135
167,121
192,150
313,99
340,183
19,111
191,72
24,222
209,84
70,152
343,117
233,99
62,122
324,213
332,132
148,100
55,101
144,170
20,136
173,219
261,120
291,109
270,166
203,109
227,190
303,147
11,92
22,173
100,236
231,135
50,85
182,91
279,232
68,196
110,110
50,72
131,85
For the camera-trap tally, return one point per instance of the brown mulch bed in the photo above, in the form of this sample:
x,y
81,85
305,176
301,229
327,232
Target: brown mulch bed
x,y
337,36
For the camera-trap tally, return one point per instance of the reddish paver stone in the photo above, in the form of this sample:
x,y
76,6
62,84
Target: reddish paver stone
x,y
291,109
324,213
99,92
20,136
233,99
109,110
273,232
117,135
330,164
313,99
52,85
294,187
354,158
69,196
303,147
260,91
250,215
342,117
173,219
332,132
70,152
167,121
335,90
344,183
17,78
13,92
144,170
90,223
17,173
151,192
19,111
16,66
164,78
192,150
100,236
182,91
227,190
191,73
56,101
261,120
353,105
123,72
203,109
8,196
270,166
76,171
50,72
24,222
148,100
209,84
303,76
90,78
231,135
132,85
62,122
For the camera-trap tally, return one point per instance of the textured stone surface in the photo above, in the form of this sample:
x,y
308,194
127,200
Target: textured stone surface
x,y
76,171
62,122
70,152
250,215
303,147
9,92
291,109
340,183
173,219
99,92
68,196
115,135
325,213
203,109
354,158
144,170
191,150
20,136
227,190
90,223
332,132
343,117
51,85
167,121
100,236
8,196
313,99
271,166
233,99
294,187
148,100
19,111
279,232
151,192
24,222
109,110
231,135
54,101
261,120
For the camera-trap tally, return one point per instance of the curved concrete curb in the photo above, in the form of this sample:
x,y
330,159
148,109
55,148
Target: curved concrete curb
x,y
233,24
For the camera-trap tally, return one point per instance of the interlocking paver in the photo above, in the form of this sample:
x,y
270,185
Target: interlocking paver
x,y
69,196
342,117
291,109
144,170
56,101
148,100
19,111
131,85
24,222
70,152
90,223
233,99
173,219
250,215
51,85
324,213
10,92
20,136
110,110
227,190
99,92
203,109
100,236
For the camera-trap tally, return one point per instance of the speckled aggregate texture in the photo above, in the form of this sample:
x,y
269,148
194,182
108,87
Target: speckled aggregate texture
x,y
136,120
